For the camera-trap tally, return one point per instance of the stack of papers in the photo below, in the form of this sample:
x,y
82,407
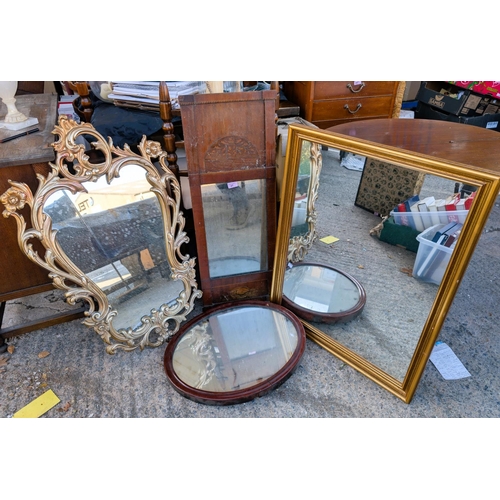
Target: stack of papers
x,y
146,95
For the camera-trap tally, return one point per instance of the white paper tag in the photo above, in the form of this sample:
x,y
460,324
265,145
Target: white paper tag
x,y
492,125
231,185
447,362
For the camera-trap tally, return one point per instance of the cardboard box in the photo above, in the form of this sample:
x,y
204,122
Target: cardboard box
x,y
477,105
451,101
411,91
487,120
484,88
427,112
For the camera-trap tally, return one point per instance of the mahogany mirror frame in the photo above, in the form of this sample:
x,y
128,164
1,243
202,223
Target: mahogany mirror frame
x,y
235,396
328,317
488,186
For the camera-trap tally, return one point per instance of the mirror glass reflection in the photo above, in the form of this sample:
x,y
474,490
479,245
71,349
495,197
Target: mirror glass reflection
x,y
386,333
299,218
235,226
234,349
303,225
114,233
322,293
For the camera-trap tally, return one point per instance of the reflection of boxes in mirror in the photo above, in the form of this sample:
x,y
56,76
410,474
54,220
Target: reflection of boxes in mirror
x,y
299,212
383,186
432,258
424,220
281,142
401,236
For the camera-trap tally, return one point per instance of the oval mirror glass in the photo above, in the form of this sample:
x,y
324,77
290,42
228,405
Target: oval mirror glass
x,y
235,352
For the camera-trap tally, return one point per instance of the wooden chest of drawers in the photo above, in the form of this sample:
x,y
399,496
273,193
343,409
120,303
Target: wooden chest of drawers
x,y
326,104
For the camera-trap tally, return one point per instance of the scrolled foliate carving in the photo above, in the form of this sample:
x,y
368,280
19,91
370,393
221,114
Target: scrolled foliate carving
x,y
71,168
299,245
232,152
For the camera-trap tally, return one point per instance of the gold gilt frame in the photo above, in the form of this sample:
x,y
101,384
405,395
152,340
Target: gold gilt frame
x,y
299,245
165,320
488,185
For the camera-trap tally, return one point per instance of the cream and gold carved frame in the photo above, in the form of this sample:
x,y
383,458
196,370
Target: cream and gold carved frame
x,y
487,184
300,244
72,167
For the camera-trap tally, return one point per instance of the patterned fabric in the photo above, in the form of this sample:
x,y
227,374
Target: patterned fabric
x,y
383,186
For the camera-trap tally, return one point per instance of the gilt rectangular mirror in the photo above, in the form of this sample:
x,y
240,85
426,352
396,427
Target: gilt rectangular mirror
x,y
391,338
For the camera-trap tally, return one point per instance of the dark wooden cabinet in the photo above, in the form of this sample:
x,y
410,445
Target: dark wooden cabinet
x,y
326,104
20,161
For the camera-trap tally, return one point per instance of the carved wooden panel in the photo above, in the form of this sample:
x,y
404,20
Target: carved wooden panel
x,y
231,153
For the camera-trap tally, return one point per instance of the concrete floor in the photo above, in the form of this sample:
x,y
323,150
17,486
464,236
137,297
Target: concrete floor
x,y
93,384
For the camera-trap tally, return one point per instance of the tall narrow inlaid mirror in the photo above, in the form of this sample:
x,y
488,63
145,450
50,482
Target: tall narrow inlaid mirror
x,y
110,222
391,338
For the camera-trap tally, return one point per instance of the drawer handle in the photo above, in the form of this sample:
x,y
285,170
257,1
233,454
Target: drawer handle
x,y
361,87
358,107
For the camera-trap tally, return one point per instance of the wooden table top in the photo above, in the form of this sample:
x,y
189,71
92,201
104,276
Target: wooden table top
x,y
34,148
457,142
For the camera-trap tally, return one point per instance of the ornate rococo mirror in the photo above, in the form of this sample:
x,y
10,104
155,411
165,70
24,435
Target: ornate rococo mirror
x,y
390,341
112,230
303,226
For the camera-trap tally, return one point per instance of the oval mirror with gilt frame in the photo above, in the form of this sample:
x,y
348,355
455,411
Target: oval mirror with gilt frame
x,y
391,341
110,222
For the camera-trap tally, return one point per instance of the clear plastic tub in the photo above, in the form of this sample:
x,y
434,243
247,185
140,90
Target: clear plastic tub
x,y
432,258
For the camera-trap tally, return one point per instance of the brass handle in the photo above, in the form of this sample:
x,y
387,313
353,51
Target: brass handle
x,y
361,87
358,107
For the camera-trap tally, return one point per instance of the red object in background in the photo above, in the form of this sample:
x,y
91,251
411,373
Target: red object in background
x,y
485,88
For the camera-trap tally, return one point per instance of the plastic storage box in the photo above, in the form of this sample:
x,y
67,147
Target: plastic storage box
x,y
432,258
424,220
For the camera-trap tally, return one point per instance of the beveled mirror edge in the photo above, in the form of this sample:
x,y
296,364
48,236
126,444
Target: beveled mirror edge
x,y
61,268
488,184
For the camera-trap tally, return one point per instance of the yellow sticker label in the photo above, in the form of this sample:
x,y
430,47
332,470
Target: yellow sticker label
x,y
38,406
329,239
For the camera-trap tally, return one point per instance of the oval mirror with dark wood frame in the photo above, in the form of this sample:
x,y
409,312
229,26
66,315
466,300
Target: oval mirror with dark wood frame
x,y
112,230
234,352
391,341
321,293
